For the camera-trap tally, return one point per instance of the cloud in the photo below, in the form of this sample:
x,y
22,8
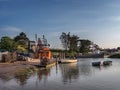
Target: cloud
x,y
115,18
10,29
108,19
75,31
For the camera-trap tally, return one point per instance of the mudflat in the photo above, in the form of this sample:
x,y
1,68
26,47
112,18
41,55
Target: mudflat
x,y
10,69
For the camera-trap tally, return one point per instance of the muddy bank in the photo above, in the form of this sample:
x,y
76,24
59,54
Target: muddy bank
x,y
11,70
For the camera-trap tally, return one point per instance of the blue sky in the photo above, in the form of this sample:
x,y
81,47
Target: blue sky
x,y
96,20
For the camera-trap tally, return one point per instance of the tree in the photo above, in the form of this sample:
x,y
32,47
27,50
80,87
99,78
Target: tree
x,y
65,40
85,46
118,48
22,40
69,42
7,43
73,43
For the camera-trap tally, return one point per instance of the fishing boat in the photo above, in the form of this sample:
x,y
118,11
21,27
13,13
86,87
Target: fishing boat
x,y
46,65
42,54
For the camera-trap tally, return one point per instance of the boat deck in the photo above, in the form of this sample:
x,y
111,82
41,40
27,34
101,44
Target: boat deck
x,y
52,63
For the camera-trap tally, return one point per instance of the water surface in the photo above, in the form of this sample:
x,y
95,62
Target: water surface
x,y
75,76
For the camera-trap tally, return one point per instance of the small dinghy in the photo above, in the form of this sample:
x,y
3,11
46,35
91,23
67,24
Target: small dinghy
x,y
101,63
107,63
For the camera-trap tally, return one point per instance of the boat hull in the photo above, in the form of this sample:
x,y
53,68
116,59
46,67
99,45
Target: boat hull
x,y
46,65
67,61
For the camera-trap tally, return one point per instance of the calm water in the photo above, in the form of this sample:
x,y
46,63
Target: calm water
x,y
78,76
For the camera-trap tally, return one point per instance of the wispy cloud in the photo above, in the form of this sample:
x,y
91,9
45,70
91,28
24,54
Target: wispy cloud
x,y
115,18
72,32
10,29
108,19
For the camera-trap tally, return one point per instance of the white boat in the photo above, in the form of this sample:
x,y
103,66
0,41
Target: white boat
x,y
67,61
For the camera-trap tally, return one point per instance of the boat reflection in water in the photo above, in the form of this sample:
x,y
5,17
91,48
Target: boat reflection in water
x,y
43,74
70,72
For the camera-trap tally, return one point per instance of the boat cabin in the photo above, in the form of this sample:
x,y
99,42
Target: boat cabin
x,y
45,53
